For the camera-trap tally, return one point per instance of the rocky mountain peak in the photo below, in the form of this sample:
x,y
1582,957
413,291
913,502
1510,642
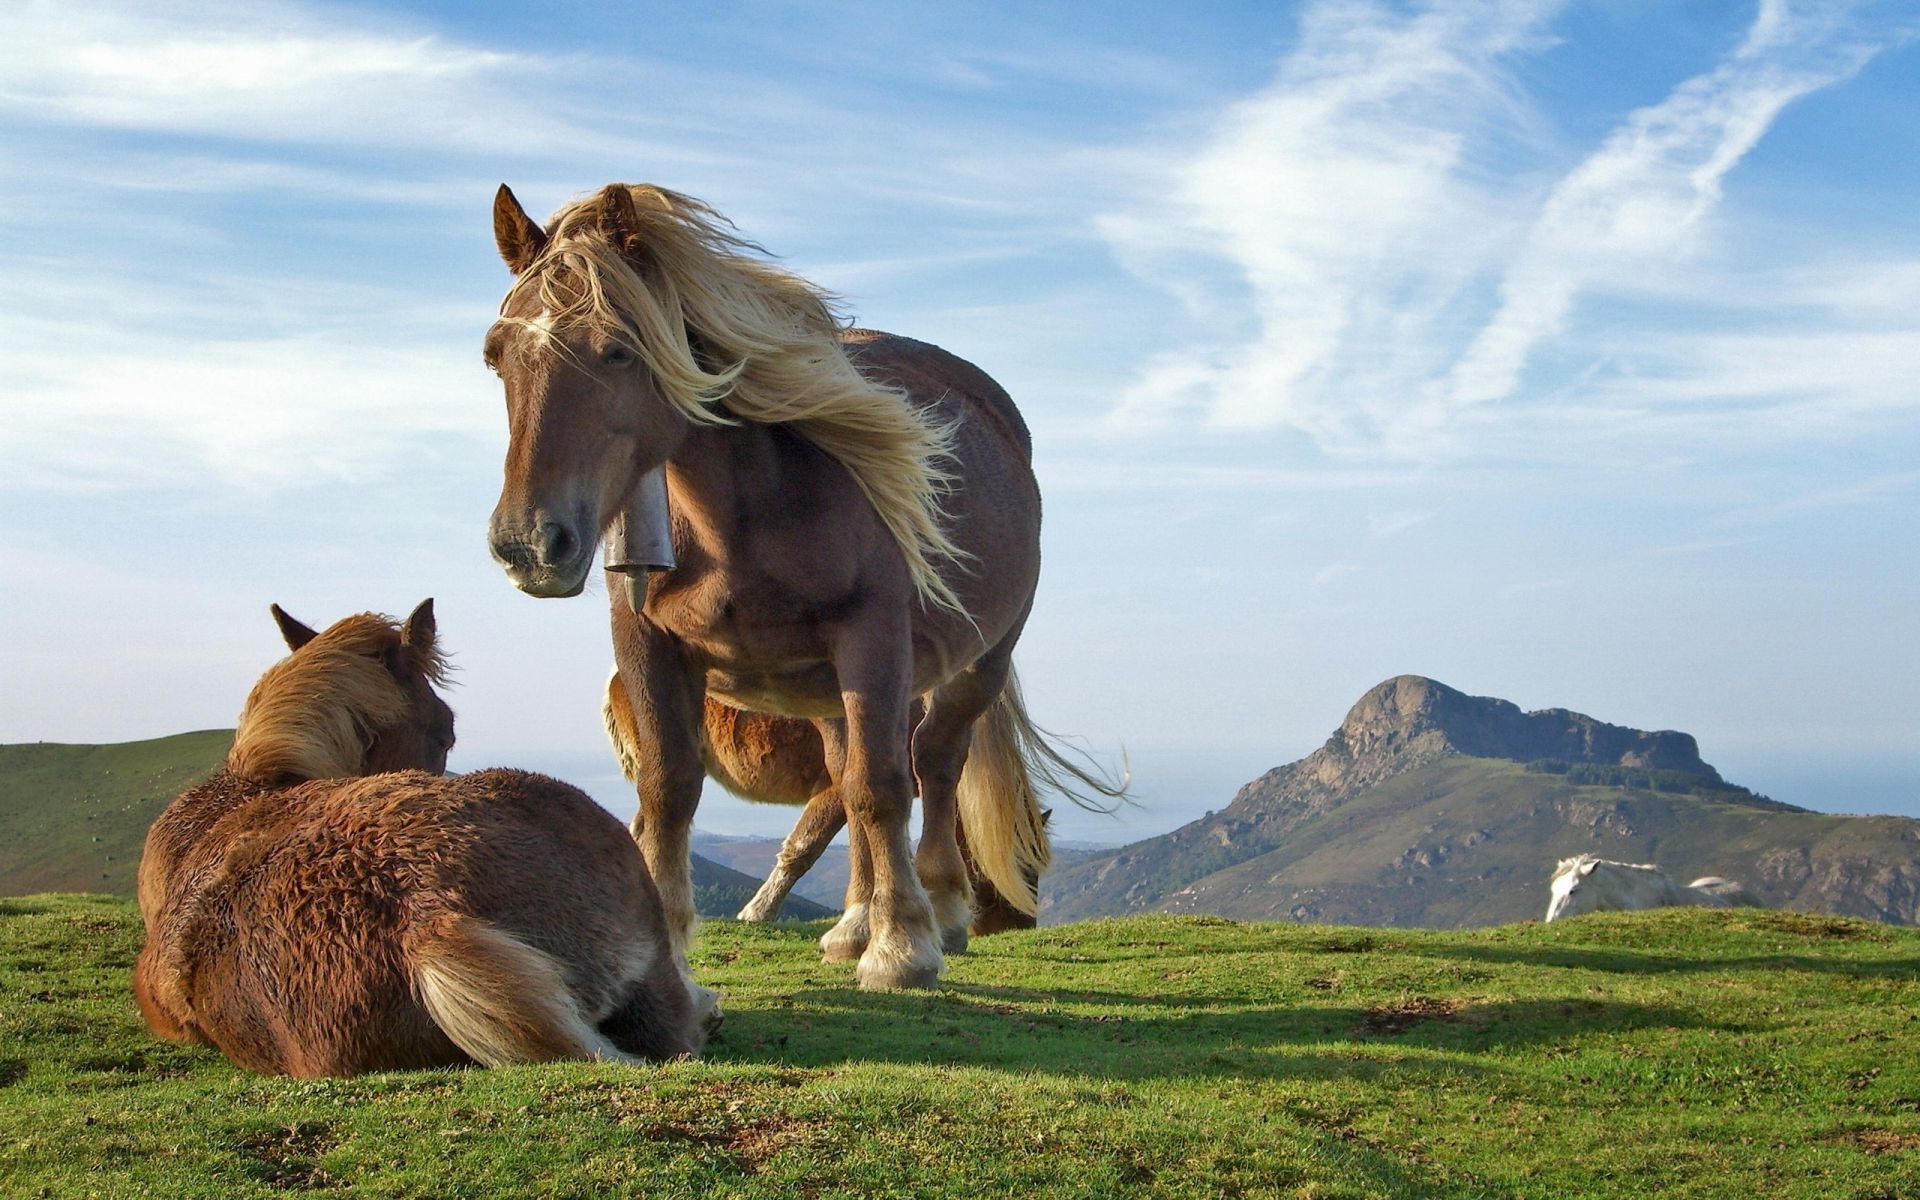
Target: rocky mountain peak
x,y
1411,717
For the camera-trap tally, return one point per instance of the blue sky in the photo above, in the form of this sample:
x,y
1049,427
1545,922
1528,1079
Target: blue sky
x,y
1562,352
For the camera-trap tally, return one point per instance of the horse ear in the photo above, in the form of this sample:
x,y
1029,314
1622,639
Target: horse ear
x,y
518,235
420,629
618,216
1586,868
297,635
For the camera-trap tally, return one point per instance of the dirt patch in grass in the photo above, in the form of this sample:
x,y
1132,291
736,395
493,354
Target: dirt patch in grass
x,y
1879,1141
1814,925
1392,1020
284,1157
757,1141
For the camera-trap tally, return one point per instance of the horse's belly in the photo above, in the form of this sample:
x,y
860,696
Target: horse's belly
x,y
808,691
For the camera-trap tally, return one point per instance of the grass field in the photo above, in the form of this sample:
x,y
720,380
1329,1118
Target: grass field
x,y
1682,1053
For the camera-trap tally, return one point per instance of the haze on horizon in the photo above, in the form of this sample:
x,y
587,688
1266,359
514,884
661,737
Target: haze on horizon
x,y
1561,352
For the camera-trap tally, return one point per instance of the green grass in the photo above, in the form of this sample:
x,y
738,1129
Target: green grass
x,y
1682,1053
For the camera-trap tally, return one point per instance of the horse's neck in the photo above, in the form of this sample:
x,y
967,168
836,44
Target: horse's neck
x,y
720,473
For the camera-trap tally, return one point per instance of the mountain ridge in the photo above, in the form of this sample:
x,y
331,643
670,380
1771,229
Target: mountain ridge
x,y
1376,810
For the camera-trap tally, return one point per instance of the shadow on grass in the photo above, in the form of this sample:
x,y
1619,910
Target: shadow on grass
x,y
1642,962
1019,1029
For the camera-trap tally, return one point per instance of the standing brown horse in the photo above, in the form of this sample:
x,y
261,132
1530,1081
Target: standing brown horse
x,y
856,526
331,904
780,760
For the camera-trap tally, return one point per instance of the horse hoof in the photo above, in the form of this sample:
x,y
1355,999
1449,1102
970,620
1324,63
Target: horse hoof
x,y
899,965
884,977
954,941
847,941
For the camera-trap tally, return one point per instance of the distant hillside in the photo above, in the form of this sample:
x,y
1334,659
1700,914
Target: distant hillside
x,y
1428,807
827,881
73,818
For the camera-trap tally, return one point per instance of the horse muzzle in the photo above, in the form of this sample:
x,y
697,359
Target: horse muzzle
x,y
546,557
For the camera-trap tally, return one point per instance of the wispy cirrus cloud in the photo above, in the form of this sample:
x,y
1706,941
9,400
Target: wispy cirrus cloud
x,y
1375,257
1329,213
1639,201
259,71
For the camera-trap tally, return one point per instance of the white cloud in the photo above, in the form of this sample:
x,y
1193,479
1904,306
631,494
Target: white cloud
x,y
258,414
1332,573
1639,200
1372,254
258,71
1334,210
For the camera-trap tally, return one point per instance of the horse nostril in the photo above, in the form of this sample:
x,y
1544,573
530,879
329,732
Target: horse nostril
x,y
556,543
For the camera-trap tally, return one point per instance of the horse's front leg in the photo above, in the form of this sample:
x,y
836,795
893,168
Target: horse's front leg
x,y
876,786
667,699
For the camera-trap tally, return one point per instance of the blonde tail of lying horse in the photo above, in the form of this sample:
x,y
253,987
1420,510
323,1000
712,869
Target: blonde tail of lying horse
x,y
499,999
1010,759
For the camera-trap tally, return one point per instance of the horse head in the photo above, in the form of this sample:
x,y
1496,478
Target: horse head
x,y
1572,891
355,699
585,337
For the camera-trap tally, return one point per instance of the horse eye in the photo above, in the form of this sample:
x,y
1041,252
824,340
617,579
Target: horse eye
x,y
617,356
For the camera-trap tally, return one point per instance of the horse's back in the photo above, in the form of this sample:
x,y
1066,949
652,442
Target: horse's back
x,y
363,869
937,378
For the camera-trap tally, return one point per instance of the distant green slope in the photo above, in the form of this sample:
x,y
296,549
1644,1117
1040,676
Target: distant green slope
x,y
1687,1054
73,818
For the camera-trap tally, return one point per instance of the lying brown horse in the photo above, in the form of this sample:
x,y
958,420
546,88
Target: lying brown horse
x,y
856,527
331,903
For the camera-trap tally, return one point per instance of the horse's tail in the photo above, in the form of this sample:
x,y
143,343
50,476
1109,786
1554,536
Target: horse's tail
x,y
1720,891
1011,759
499,999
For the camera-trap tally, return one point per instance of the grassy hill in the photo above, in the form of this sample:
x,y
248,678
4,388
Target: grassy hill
x,y
73,818
1680,1053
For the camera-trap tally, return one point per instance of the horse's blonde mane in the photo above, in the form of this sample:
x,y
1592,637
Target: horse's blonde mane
x,y
312,713
765,347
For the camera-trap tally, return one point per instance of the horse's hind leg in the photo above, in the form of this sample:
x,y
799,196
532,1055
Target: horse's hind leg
x,y
939,756
874,663
824,817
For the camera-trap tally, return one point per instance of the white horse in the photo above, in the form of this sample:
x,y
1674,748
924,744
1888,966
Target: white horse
x,y
1586,883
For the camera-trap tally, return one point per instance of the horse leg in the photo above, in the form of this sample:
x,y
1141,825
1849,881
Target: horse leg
x,y
824,817
939,756
876,785
666,703
847,940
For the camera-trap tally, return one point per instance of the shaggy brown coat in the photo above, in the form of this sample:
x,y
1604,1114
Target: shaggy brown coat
x,y
403,919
